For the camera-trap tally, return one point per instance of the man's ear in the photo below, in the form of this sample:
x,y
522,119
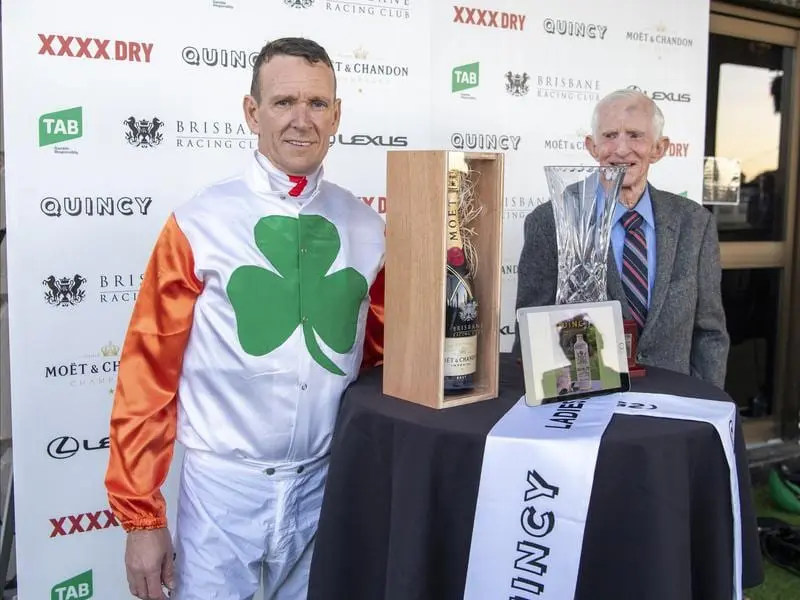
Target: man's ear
x,y
591,147
250,108
659,150
337,114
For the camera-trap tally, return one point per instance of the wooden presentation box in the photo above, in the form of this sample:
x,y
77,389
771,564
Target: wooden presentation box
x,y
416,228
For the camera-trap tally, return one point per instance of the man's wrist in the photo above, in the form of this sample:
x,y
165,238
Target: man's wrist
x,y
144,524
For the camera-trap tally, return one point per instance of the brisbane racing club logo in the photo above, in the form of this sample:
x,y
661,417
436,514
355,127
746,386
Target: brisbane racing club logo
x,y
144,133
64,292
387,9
516,84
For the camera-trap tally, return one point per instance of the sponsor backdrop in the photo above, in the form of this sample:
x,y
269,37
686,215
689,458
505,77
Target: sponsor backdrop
x,y
112,119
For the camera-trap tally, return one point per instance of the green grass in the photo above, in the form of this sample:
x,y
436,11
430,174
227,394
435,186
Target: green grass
x,y
778,583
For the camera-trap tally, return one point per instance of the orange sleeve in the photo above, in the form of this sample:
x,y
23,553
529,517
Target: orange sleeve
x,y
373,339
144,414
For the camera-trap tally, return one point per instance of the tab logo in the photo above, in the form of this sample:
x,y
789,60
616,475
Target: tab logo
x,y
60,126
466,77
79,587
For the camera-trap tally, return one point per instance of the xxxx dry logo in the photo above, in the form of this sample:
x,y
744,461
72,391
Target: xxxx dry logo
x,y
75,46
481,17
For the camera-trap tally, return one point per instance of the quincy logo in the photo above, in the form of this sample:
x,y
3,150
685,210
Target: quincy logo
x,y
60,126
466,77
79,587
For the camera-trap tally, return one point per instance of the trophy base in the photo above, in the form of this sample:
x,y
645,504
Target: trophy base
x,y
632,343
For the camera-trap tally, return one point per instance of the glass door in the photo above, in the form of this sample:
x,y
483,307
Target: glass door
x,y
752,135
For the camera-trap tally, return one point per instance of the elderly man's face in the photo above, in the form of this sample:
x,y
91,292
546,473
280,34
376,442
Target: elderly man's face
x,y
297,114
625,136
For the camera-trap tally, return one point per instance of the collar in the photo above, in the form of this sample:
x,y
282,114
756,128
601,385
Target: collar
x,y
644,207
266,178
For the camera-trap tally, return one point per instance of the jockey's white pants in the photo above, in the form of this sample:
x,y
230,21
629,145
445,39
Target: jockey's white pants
x,y
241,525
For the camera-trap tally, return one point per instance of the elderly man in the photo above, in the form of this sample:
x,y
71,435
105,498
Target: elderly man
x,y
253,317
664,263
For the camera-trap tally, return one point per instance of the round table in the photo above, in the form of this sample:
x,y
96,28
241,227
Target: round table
x,y
396,520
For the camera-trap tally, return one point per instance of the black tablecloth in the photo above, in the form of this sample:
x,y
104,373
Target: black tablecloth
x,y
396,521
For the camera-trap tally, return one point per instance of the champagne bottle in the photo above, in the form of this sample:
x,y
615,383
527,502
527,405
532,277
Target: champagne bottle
x,y
582,367
461,306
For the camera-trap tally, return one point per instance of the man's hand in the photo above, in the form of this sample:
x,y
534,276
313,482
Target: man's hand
x,y
149,563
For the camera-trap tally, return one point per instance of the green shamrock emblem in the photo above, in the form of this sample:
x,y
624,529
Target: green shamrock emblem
x,y
269,306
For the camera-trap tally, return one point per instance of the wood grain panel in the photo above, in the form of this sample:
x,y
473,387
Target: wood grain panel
x,y
416,228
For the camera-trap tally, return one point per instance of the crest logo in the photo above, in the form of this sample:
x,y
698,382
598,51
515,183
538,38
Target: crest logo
x,y
144,133
299,3
469,312
516,84
65,292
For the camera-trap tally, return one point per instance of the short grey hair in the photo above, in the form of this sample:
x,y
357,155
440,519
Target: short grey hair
x,y
630,93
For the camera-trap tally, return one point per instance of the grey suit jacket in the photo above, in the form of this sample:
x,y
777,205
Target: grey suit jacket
x,y
685,329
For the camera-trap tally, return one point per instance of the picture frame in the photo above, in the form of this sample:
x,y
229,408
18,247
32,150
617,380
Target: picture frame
x,y
572,351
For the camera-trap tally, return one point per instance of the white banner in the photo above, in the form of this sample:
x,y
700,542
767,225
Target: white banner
x,y
722,415
536,482
112,118
533,500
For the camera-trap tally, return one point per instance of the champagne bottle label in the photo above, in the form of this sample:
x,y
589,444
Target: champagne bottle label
x,y
582,364
460,355
461,307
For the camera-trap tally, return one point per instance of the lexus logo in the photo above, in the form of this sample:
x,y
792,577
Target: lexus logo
x,y
63,447
662,96
67,446
363,139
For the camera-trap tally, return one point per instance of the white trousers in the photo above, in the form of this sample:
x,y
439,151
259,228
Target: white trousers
x,y
238,523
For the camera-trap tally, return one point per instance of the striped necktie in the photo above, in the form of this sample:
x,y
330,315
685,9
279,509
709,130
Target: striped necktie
x,y
634,267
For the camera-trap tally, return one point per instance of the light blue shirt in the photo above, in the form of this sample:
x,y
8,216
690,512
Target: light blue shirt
x,y
645,208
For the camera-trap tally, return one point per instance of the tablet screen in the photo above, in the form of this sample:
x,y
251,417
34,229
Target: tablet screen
x,y
573,351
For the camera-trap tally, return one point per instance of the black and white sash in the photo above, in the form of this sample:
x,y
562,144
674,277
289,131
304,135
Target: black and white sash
x,y
536,483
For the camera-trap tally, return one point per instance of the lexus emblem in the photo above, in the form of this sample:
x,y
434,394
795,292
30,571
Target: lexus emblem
x,y
63,447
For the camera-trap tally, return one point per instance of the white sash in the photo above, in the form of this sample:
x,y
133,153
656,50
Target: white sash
x,y
722,415
536,483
